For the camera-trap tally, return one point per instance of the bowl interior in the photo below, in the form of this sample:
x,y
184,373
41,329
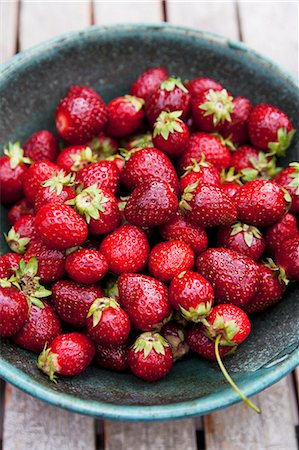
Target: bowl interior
x,y
108,60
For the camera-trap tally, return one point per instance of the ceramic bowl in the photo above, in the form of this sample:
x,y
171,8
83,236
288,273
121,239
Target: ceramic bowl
x,y
109,59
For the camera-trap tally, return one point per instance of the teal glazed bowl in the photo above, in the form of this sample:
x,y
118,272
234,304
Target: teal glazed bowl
x,y
108,59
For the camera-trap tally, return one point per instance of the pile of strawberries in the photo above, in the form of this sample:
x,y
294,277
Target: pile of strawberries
x,y
155,225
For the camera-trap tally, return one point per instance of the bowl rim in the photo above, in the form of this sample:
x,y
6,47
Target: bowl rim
x,y
203,405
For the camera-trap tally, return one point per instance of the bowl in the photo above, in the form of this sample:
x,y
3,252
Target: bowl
x,y
109,59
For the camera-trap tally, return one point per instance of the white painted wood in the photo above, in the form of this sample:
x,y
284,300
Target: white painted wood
x,y
8,28
243,429
215,16
106,12
175,435
41,20
32,424
272,29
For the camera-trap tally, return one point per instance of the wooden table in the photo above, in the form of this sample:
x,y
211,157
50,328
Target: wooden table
x,y
28,424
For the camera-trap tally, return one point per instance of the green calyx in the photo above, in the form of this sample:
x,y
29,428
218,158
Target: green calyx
x,y
111,287
58,181
142,141
295,175
126,154
284,139
102,148
171,83
137,102
83,159
5,283
196,166
219,104
159,325
249,232
122,203
178,345
47,362
16,155
197,314
149,341
227,329
230,176
15,242
277,271
264,167
89,202
167,123
227,142
100,305
187,197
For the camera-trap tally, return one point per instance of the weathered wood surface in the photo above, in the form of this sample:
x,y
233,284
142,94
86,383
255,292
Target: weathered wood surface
x,y
126,12
8,29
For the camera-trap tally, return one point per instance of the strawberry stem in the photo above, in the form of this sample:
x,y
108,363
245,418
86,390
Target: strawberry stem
x,y
230,380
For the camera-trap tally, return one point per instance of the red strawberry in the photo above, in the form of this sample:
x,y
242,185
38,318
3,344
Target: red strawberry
x,y
13,171
169,259
19,209
261,203
118,160
175,336
151,203
38,172
171,134
4,269
287,257
230,188
20,235
288,178
242,238
80,115
206,205
41,327
112,357
192,295
243,156
107,323
145,299
270,129
145,163
125,115
126,249
72,301
86,266
75,157
208,145
211,109
253,164
178,228
202,172
275,235
68,355
60,227
235,278
103,173
103,146
42,146
11,261
58,188
237,128
205,346
14,310
150,358
200,84
170,96
148,81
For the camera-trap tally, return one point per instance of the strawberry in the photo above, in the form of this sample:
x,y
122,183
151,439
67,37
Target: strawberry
x,y
72,300
14,310
169,259
175,336
145,299
103,173
59,226
4,269
211,109
125,115
230,189
13,171
208,145
80,115
68,355
19,209
170,96
150,357
170,134
103,146
261,203
242,238
192,295
148,81
253,164
206,205
76,157
11,262
151,203
107,323
21,234
42,146
237,128
235,278
38,172
202,172
288,178
178,228
126,249
58,188
200,84
242,158
118,160
112,357
145,163
275,235
41,327
86,266
287,257
139,141
204,346
270,129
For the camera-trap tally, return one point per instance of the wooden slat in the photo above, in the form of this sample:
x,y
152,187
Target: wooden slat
x,y
175,435
106,12
31,424
243,429
8,29
272,29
